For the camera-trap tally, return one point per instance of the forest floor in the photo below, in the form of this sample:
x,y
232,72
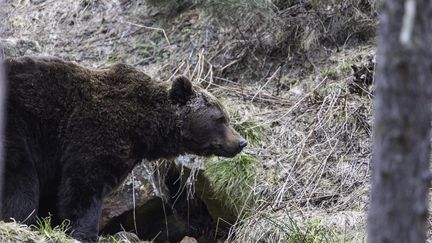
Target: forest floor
x,y
313,141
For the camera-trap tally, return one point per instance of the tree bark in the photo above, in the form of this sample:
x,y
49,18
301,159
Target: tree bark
x,y
2,102
401,143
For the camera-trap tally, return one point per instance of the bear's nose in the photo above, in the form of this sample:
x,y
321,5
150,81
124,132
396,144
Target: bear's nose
x,y
243,143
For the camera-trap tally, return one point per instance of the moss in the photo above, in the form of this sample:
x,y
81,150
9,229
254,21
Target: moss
x,y
346,67
330,74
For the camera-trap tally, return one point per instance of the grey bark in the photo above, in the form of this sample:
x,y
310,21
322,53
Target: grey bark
x,y
401,144
2,102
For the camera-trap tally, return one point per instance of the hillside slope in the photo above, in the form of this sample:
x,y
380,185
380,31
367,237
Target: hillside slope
x,y
284,66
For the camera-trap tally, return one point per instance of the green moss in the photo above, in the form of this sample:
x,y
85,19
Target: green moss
x,y
232,180
330,74
345,67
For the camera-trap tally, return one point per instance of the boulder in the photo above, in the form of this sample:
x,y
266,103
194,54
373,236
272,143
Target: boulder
x,y
160,210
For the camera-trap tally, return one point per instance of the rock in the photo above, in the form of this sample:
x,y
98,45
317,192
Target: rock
x,y
172,199
162,210
188,239
18,47
123,199
192,168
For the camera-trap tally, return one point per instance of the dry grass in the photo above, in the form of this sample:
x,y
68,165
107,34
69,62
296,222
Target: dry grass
x,y
315,165
44,232
266,35
313,180
14,232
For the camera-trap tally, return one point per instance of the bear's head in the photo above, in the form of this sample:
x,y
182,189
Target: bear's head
x,y
205,124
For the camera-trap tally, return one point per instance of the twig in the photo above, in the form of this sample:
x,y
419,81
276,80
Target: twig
x,y
301,100
148,27
176,71
268,81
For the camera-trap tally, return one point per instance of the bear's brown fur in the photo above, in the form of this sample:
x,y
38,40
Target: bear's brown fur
x,y
73,134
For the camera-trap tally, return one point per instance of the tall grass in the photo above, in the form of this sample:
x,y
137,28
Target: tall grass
x,y
232,180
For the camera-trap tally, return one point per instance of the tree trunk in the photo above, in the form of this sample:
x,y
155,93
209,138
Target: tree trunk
x,y
401,146
2,102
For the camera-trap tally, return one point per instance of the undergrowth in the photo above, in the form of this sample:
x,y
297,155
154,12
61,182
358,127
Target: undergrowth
x,y
41,232
56,233
44,231
272,34
269,227
232,180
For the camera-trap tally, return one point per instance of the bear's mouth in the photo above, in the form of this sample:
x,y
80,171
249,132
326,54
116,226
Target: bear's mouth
x,y
216,149
220,150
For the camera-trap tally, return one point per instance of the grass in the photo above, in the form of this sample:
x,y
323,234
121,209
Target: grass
x,y
275,227
331,74
314,158
345,67
315,153
247,126
43,231
57,233
250,129
232,180
14,232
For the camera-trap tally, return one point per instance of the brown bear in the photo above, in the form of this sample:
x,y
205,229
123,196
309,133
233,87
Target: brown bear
x,y
73,134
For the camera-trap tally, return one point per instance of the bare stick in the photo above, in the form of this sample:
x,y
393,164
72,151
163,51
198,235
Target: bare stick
x,y
268,81
148,27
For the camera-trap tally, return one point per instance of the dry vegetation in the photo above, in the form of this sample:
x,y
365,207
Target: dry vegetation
x,y
282,67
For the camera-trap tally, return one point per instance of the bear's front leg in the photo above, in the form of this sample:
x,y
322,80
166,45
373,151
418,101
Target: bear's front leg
x,y
81,205
81,192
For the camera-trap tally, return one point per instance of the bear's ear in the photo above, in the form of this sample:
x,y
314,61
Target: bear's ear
x,y
181,90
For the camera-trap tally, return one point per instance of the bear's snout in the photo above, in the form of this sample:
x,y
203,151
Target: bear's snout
x,y
243,143
234,142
